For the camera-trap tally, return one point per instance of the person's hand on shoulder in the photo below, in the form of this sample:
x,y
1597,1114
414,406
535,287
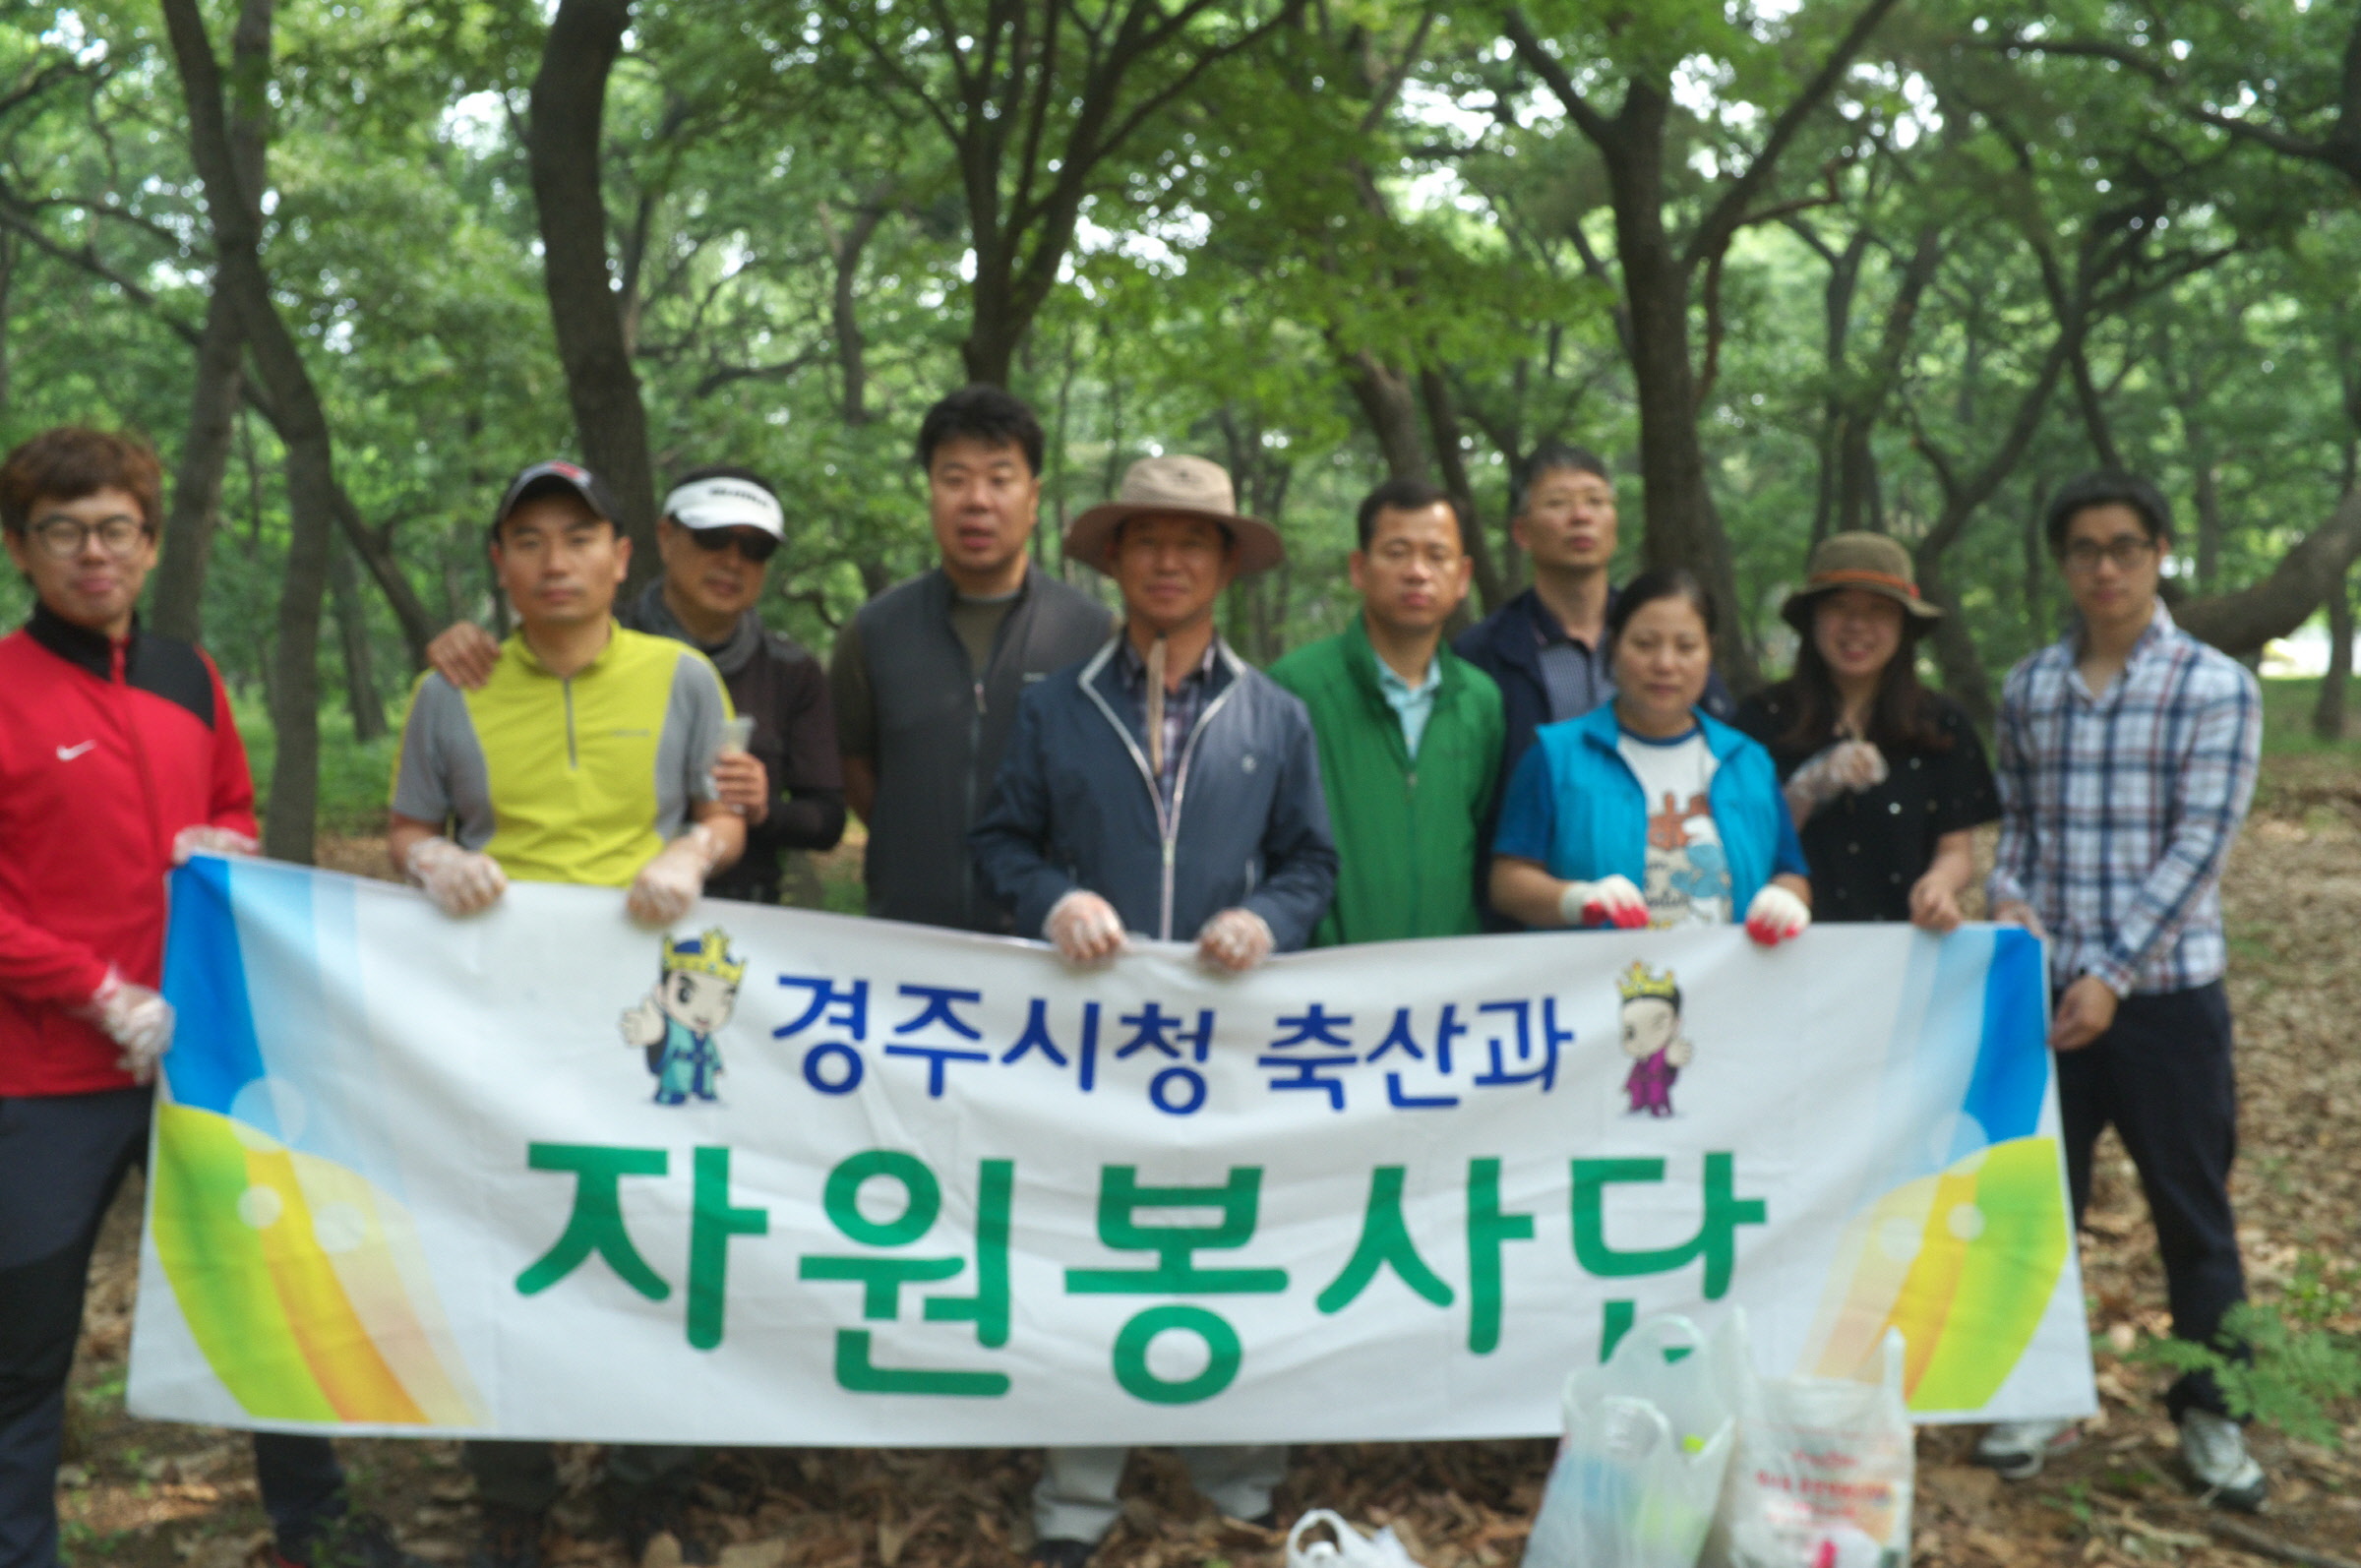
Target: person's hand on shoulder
x,y
463,654
1838,769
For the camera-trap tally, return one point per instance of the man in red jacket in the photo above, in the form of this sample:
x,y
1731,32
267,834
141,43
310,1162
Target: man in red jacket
x,y
118,759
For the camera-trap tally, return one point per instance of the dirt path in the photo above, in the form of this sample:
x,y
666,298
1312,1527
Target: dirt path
x,y
153,1495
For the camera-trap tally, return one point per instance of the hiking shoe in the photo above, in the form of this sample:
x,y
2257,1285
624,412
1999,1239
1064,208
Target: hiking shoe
x,y
1061,1553
2019,1449
511,1539
2214,1450
344,1540
642,1513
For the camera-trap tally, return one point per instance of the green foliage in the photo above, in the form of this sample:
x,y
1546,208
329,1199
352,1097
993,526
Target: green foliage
x,y
1374,190
2297,1368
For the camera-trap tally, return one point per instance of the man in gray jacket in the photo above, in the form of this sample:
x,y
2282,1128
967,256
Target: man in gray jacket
x,y
1162,789
927,675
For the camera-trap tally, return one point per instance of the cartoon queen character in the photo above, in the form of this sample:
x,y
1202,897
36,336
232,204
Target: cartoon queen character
x,y
697,991
1652,1038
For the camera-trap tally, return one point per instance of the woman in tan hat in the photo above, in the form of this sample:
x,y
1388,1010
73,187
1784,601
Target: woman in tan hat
x,y
1885,778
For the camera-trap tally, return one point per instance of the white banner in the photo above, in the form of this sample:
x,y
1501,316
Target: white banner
x,y
791,1178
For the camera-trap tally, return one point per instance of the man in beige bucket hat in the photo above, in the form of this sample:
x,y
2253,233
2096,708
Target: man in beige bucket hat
x,y
1161,789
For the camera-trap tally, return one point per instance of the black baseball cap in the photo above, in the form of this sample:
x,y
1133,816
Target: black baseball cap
x,y
555,474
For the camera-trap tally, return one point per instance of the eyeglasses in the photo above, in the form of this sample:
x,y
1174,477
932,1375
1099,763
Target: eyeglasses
x,y
753,543
2083,556
62,538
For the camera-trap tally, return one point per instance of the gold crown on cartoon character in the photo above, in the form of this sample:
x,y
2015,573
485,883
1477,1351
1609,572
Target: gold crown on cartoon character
x,y
1640,981
708,954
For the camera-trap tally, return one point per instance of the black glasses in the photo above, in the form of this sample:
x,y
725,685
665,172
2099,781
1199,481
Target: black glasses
x,y
2125,551
753,543
63,538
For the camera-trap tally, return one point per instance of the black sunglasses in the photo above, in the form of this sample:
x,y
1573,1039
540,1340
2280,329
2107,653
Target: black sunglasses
x,y
753,543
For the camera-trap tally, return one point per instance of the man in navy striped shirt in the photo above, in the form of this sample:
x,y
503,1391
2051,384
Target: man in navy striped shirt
x,y
2127,757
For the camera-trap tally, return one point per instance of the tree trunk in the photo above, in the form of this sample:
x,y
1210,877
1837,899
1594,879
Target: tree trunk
x,y
196,510
2209,518
2328,713
311,460
1964,678
1683,527
368,710
177,608
9,253
2241,623
845,253
1442,420
1385,400
568,107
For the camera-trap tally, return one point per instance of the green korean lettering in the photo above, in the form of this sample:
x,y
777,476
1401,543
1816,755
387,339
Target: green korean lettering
x,y
712,1223
987,1308
1122,1198
1489,1230
881,1278
596,1223
1716,1240
1224,1355
1385,1243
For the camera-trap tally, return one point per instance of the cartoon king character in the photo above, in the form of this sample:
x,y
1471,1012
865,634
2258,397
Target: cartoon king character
x,y
697,991
1652,1038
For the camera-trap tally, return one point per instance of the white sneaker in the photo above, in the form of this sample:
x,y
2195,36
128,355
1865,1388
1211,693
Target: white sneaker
x,y
2019,1449
2214,1450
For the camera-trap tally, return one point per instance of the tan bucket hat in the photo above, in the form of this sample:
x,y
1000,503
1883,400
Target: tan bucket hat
x,y
1869,562
1191,487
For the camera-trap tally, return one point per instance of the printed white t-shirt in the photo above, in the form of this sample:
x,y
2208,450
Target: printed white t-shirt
x,y
1688,874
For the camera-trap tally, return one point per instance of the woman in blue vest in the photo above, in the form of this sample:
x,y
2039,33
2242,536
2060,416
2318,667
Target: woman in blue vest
x,y
1645,811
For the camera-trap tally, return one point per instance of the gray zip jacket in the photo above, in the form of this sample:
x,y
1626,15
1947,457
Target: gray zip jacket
x,y
1075,806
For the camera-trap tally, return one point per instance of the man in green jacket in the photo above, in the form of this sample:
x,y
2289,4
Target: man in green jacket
x,y
1410,733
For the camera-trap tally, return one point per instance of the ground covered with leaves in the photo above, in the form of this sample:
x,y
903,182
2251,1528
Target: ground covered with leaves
x,y
153,1495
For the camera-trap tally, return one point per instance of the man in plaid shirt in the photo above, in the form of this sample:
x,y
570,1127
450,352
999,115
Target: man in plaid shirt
x,y
2127,757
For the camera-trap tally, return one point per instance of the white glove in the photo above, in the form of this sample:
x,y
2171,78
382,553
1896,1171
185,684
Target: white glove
x,y
674,879
1775,914
203,839
1237,939
460,882
1608,901
1085,927
133,1017
1832,770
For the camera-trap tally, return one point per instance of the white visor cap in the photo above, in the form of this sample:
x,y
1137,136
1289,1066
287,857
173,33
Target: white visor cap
x,y
726,502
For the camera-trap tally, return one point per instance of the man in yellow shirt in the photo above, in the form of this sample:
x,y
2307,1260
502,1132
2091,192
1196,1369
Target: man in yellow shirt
x,y
586,757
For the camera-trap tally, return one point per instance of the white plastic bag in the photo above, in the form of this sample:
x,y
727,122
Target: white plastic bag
x,y
1647,1439
1823,1475
1351,1548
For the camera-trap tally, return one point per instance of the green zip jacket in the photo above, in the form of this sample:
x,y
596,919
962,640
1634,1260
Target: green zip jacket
x,y
1408,834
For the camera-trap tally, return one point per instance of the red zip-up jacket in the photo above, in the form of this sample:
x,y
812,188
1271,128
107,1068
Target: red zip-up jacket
x,y
108,751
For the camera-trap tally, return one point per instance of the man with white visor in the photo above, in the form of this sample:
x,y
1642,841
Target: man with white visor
x,y
721,527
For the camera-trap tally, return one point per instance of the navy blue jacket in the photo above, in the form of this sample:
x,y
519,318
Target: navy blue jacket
x,y
1507,646
1074,805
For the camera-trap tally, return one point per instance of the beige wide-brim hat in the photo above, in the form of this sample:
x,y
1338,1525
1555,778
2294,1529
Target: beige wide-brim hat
x,y
1187,487
1869,562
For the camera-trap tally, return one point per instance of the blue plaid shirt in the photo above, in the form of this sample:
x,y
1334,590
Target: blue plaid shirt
x,y
2118,808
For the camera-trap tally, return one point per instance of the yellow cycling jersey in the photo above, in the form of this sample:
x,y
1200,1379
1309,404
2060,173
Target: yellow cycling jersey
x,y
573,778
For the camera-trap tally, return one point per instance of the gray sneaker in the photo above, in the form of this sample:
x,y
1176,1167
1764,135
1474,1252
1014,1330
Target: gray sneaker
x,y
2214,1450
2019,1449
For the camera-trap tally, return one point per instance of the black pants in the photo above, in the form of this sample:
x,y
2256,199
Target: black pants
x,y
2162,1076
62,1157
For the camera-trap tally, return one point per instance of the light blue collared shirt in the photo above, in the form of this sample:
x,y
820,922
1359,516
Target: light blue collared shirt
x,y
1413,705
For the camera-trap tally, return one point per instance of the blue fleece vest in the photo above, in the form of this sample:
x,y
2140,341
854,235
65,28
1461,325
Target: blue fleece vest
x,y
1598,825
